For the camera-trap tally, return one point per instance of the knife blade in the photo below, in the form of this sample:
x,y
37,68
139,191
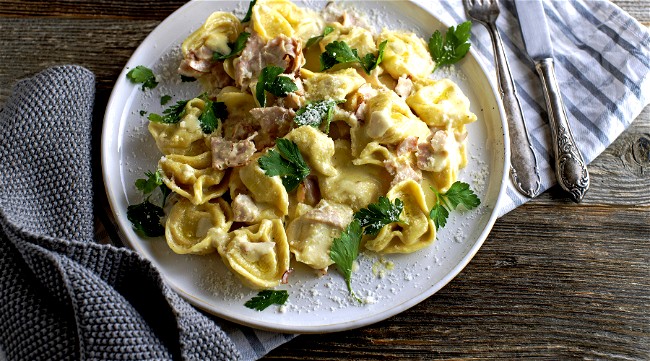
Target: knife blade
x,y
570,168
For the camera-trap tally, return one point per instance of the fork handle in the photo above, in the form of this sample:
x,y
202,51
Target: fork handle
x,y
570,168
524,171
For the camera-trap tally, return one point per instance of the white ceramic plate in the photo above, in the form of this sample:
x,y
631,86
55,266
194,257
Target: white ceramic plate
x,y
390,284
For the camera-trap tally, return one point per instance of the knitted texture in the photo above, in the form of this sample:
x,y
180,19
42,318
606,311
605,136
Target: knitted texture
x,y
62,296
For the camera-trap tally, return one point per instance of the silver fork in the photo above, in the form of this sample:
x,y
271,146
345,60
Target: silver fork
x,y
524,170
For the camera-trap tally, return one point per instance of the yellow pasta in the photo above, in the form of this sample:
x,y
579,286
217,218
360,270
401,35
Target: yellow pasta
x,y
258,255
390,131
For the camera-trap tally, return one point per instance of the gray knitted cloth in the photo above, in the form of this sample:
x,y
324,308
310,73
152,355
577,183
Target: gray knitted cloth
x,y
62,296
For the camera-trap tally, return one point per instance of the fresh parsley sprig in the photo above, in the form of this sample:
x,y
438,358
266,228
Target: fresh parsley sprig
x,y
453,47
345,251
145,216
142,75
267,298
236,47
458,194
249,13
171,115
287,163
316,39
270,80
317,113
377,215
213,113
339,52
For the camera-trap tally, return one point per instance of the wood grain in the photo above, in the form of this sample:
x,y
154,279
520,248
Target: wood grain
x,y
554,280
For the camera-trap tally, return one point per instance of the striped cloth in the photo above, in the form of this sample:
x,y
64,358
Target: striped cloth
x,y
601,62
51,269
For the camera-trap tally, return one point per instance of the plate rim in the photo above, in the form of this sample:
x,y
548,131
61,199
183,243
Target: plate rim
x,y
121,222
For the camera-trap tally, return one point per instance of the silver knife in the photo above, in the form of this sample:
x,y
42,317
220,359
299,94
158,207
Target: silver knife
x,y
570,168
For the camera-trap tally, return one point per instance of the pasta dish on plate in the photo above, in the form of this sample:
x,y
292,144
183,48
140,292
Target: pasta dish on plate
x,y
311,129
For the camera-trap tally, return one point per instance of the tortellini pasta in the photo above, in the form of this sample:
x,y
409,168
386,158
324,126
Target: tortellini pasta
x,y
193,177
197,229
184,137
415,229
258,254
354,134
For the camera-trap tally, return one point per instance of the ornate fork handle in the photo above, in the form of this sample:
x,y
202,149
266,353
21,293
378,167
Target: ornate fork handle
x,y
524,170
570,168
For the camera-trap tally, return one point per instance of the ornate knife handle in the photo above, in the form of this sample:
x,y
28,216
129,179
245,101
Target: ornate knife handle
x,y
524,171
570,168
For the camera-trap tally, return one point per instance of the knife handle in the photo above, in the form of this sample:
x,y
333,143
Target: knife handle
x,y
524,171
570,168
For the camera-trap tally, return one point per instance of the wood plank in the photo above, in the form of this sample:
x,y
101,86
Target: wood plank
x,y
546,285
99,9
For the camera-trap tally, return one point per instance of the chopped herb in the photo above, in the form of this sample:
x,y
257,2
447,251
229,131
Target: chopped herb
x,y
316,39
212,114
339,52
249,13
287,163
267,298
143,112
458,194
145,218
317,113
370,62
149,184
186,79
236,47
165,99
451,48
377,215
345,250
171,115
270,80
144,75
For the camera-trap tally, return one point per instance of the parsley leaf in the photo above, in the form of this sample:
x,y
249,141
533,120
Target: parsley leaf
x,y
451,48
270,80
249,13
149,184
287,163
315,39
345,250
458,194
369,62
171,115
212,114
339,52
145,218
267,298
144,75
165,99
377,215
317,113
235,47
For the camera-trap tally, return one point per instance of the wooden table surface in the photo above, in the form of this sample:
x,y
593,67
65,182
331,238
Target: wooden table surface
x,y
554,280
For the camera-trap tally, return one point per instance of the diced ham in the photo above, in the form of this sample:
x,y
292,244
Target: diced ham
x,y
273,123
213,72
432,153
227,154
326,213
332,13
281,51
404,86
401,167
308,191
244,209
408,145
